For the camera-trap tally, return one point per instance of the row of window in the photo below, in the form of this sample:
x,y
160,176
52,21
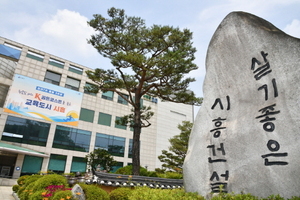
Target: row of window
x,y
54,62
32,132
74,84
103,118
57,164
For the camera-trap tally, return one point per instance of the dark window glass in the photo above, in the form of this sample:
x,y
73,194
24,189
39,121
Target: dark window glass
x,y
25,131
120,126
72,84
130,148
57,163
113,144
78,164
116,167
28,168
109,95
35,56
104,119
72,139
75,69
122,100
88,85
87,115
52,77
56,63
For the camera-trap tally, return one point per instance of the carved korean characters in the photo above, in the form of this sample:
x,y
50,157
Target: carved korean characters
x,y
247,133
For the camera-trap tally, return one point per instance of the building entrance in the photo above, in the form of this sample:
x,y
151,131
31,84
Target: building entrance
x,y
7,164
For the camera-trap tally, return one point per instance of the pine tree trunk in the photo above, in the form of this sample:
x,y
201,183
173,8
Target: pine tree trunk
x,y
136,138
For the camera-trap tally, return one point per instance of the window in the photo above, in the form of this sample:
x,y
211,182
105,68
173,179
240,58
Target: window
x,y
113,144
52,77
120,126
57,163
56,63
75,69
35,56
87,115
88,85
104,119
10,51
71,139
130,148
116,167
78,164
28,168
25,131
122,100
72,84
109,95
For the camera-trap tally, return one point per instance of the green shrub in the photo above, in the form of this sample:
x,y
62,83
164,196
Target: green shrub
x,y
66,194
15,188
152,174
171,175
145,193
127,170
37,195
21,180
24,181
94,192
47,180
27,191
121,193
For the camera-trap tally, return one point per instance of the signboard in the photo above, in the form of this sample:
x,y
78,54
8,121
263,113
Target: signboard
x,y
33,98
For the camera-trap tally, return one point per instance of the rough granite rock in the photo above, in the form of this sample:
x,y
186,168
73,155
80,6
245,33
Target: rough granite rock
x,y
246,135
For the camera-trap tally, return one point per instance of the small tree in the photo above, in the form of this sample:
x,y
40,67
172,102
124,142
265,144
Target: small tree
x,y
100,158
174,158
152,61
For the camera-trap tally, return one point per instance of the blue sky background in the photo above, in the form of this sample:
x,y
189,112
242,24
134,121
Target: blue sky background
x,y
60,27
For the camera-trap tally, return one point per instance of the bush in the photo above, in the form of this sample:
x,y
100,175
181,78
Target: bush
x,y
171,175
26,180
94,192
47,180
21,179
15,188
145,193
121,193
66,194
127,170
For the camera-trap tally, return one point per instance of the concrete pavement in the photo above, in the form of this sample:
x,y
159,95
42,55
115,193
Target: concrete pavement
x,y
6,193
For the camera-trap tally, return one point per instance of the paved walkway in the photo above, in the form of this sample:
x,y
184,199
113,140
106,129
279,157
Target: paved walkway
x,y
6,193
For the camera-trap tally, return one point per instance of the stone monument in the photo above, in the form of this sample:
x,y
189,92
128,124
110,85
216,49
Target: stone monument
x,y
246,135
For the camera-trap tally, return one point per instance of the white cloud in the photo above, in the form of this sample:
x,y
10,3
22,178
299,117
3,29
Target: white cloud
x,y
70,29
293,28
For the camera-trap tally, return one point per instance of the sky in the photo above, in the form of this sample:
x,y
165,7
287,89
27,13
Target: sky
x,y
59,27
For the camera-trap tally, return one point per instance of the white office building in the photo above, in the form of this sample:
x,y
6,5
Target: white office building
x,y
48,121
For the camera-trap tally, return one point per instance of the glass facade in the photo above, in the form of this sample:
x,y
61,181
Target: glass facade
x,y
72,84
57,163
87,115
104,119
120,126
113,144
89,85
78,164
25,131
28,168
71,139
109,95
122,100
52,77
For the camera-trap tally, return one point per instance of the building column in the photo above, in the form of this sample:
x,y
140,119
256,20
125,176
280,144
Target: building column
x,y
18,166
